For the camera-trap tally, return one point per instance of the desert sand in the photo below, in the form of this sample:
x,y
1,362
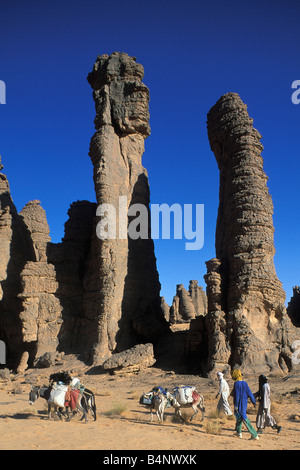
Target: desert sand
x,y
123,424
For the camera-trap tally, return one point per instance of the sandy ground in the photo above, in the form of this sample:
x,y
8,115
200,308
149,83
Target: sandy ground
x,y
123,424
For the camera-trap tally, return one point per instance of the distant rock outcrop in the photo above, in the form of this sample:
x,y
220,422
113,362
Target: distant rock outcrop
x,y
246,322
198,297
187,305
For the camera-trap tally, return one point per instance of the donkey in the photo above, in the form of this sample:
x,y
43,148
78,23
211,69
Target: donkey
x,y
196,403
45,391
88,401
158,403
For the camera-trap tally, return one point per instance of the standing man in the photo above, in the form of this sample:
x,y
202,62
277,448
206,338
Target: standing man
x,y
223,404
264,417
241,392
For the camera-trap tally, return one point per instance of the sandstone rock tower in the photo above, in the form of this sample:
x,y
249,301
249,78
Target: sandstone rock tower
x,y
124,302
246,322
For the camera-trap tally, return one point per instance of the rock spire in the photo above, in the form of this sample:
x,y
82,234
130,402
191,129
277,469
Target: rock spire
x,y
125,303
246,321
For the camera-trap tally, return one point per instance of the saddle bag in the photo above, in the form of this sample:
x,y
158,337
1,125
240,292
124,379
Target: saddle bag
x,y
58,394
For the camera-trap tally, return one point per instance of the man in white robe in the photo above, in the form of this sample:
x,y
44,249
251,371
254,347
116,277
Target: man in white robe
x,y
223,405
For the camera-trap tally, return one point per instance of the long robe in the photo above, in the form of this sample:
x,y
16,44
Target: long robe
x,y
264,417
224,392
241,393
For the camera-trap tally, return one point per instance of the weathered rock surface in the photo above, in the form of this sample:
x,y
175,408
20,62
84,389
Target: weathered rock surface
x,y
41,308
131,360
246,322
16,249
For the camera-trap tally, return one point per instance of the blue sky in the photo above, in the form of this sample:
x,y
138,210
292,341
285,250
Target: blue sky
x,y
193,52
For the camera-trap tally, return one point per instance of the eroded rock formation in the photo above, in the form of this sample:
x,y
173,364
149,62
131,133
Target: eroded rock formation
x,y
198,297
125,303
187,305
246,322
182,308
16,249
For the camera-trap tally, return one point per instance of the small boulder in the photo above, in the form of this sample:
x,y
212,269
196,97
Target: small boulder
x,y
131,360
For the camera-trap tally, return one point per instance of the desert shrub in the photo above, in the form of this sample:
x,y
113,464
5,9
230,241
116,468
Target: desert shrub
x,y
116,410
213,427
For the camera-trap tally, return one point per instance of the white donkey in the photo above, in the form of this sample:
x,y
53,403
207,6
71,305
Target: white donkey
x,y
187,397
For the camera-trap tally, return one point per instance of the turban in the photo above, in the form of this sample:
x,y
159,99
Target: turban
x,y
236,374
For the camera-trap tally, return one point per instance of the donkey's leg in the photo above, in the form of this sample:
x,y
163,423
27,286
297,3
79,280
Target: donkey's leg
x,y
178,413
58,412
195,412
84,413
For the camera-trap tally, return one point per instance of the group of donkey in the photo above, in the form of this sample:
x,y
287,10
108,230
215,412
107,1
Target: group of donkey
x,y
55,393
157,400
181,397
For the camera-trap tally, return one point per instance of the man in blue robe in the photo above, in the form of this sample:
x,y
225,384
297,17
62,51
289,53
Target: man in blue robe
x,y
241,392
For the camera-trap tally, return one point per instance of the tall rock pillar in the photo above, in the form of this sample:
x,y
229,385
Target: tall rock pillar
x,y
122,298
245,297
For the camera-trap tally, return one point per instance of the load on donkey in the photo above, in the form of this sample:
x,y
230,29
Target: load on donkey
x,y
183,396
65,394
